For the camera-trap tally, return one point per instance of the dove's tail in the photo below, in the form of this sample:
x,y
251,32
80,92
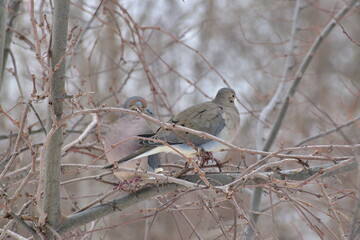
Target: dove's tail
x,y
142,152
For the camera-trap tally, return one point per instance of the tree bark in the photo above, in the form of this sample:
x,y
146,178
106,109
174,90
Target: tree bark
x,y
55,112
3,15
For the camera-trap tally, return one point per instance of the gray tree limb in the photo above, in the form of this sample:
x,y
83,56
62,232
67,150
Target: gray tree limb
x,y
256,199
91,214
3,15
14,5
302,68
57,94
216,179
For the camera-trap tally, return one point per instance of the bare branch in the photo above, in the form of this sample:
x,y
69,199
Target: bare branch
x,y
289,65
298,77
57,95
3,15
216,179
14,7
102,210
83,135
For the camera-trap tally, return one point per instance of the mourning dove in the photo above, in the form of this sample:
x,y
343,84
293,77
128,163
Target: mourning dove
x,y
128,126
219,117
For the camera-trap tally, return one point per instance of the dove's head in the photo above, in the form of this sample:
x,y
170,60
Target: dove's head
x,y
225,96
137,103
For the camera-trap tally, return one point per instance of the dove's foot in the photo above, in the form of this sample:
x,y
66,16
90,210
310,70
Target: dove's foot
x,y
205,157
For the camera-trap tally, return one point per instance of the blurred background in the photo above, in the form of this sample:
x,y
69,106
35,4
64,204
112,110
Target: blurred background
x,y
176,54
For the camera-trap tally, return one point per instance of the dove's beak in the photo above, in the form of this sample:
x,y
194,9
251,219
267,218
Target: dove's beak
x,y
149,111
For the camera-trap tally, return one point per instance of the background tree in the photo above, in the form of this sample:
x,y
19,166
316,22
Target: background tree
x,y
291,172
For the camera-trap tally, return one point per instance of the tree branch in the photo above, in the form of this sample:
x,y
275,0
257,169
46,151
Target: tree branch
x,y
227,145
327,132
216,179
289,64
3,15
298,77
302,68
118,204
14,6
57,94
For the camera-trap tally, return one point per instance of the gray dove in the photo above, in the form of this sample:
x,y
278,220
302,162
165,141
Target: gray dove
x,y
125,127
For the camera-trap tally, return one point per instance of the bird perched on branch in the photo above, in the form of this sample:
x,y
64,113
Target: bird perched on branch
x,y
218,117
117,142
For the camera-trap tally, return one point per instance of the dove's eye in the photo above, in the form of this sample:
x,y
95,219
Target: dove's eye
x,y
139,104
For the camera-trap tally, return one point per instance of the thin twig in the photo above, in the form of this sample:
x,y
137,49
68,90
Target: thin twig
x,y
20,135
83,135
